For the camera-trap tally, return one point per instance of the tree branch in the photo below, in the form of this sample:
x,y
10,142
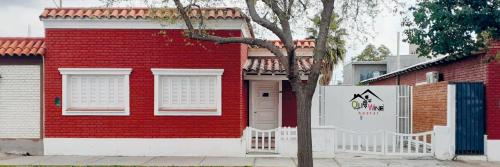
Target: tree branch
x,y
284,20
194,34
264,22
320,49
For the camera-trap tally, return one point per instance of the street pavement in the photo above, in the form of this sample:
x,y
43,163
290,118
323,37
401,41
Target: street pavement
x,y
341,160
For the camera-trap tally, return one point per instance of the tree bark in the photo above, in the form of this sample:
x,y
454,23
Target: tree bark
x,y
303,91
304,154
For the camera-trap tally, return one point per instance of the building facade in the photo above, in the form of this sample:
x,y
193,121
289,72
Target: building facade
x,y
111,81
432,106
357,71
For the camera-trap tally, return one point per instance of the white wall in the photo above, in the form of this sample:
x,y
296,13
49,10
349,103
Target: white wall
x,y
493,150
315,107
232,147
20,101
441,142
338,110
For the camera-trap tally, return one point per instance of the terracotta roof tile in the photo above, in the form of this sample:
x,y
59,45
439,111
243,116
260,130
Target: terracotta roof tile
x,y
22,47
272,65
298,43
138,13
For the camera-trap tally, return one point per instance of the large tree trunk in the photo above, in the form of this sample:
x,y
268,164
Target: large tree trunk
x,y
304,154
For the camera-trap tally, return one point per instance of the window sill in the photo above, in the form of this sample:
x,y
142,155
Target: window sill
x,y
98,112
188,109
187,112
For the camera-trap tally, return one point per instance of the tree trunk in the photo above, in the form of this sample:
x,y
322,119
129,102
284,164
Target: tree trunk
x,y
304,153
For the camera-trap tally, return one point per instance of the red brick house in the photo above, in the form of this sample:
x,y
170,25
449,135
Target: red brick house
x,y
117,83
430,100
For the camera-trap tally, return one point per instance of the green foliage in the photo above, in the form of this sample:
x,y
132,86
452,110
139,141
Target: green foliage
x,y
370,53
454,27
336,45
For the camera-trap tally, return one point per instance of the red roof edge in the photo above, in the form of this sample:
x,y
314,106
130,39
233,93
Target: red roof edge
x,y
22,46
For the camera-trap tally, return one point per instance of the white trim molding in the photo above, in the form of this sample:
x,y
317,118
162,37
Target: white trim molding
x,y
162,72
175,71
233,147
95,71
67,72
230,24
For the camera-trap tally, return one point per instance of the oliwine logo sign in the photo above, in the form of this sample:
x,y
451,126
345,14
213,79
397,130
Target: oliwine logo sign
x,y
367,104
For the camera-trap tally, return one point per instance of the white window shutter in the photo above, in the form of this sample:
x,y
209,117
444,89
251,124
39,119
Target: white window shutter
x,y
96,92
188,92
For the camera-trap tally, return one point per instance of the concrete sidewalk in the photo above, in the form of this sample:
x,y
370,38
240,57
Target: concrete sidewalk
x,y
339,160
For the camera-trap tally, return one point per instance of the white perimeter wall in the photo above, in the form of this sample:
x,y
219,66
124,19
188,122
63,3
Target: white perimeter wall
x,y
338,110
493,150
231,147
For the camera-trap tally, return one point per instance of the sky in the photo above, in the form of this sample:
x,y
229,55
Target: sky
x,y
19,18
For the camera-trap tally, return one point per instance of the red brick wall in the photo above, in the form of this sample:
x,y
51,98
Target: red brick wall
x,y
289,106
429,106
469,69
493,95
142,50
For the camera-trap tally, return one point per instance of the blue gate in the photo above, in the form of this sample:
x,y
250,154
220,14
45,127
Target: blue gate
x,y
470,119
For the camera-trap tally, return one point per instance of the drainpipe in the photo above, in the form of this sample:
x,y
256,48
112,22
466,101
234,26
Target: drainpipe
x,y
398,56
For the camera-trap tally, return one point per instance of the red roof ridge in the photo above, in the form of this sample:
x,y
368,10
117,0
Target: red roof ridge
x,y
299,43
137,12
73,8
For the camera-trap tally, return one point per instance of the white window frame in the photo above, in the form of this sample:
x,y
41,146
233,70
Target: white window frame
x,y
125,72
158,72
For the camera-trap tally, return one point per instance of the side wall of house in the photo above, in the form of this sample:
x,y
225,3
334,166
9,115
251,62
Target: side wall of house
x,y
429,106
142,50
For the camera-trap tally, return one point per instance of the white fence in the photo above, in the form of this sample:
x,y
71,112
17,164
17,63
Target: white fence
x,y
261,140
329,140
383,142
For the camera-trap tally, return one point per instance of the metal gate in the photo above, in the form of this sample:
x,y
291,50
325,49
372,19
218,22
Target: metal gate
x,y
404,109
470,119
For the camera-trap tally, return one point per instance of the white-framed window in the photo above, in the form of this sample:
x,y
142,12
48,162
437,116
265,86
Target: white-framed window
x,y
95,91
185,92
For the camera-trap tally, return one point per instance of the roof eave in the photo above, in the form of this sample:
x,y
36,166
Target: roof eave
x,y
438,61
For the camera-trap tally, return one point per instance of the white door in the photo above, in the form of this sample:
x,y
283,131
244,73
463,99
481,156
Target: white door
x,y
265,104
20,101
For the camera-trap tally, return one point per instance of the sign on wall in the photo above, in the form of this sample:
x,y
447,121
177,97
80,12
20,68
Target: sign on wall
x,y
367,104
360,108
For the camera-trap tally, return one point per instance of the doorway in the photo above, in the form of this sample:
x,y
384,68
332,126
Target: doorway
x,y
264,104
